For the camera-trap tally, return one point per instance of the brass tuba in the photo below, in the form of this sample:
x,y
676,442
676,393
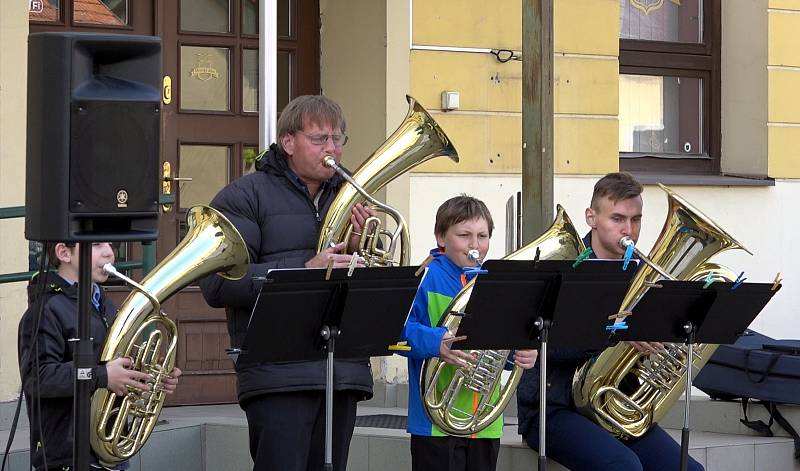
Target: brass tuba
x,y
121,425
484,375
418,139
688,239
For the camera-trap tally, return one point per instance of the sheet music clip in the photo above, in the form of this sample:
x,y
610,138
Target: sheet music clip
x,y
739,280
776,282
234,353
353,261
620,316
709,279
399,347
619,321
475,271
621,325
583,256
423,265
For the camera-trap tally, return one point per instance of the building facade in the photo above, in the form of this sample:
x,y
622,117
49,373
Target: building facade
x,y
700,95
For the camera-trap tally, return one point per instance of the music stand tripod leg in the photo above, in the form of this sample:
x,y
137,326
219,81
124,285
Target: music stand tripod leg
x,y
544,326
329,334
690,330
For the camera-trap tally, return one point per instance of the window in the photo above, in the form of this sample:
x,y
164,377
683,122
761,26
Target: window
x,y
669,87
106,13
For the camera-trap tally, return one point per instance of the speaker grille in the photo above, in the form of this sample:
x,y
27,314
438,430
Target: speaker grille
x,y
114,157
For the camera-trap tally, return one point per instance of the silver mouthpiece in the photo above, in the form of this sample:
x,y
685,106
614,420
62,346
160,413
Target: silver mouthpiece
x,y
329,162
474,255
625,242
110,269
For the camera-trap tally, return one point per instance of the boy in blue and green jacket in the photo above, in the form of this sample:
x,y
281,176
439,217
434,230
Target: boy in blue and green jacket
x,y
463,226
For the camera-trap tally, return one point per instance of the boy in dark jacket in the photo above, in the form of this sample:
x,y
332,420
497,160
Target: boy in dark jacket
x,y
50,394
463,225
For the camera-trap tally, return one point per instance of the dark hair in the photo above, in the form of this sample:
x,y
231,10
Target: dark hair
x,y
459,209
51,252
315,109
616,186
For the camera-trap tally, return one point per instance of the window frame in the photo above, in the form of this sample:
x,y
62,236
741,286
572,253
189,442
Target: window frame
x,y
700,60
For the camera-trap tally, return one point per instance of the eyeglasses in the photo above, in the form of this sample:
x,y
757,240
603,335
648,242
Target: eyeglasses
x,y
321,139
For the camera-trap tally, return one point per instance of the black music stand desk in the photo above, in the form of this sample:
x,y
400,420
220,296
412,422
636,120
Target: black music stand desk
x,y
526,304
686,312
307,315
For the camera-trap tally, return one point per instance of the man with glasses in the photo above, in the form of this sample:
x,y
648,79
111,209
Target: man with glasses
x,y
278,210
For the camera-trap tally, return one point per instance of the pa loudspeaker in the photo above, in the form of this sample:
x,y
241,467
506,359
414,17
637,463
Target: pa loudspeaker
x,y
94,105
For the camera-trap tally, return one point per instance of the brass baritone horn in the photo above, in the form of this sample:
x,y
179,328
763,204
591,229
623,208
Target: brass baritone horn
x,y
121,425
484,374
418,139
368,247
688,239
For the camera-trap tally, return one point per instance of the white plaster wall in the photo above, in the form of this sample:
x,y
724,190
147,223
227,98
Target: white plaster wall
x,y
761,218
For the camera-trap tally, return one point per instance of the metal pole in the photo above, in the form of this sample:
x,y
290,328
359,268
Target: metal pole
x,y
84,361
688,396
329,334
544,329
267,72
537,117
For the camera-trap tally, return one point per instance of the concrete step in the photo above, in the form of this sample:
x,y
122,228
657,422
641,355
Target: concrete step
x,y
206,438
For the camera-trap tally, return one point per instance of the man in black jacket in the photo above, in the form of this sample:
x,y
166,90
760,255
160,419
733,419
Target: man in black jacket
x,y
279,210
572,439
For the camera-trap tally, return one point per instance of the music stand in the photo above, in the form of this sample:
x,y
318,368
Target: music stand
x,y
305,315
524,304
685,312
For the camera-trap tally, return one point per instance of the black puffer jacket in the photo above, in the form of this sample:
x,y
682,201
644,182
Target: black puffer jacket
x,y
59,323
278,220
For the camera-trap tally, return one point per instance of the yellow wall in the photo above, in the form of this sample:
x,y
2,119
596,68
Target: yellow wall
x,y
783,85
487,129
13,247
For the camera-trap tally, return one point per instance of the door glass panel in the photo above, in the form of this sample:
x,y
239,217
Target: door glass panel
x,y
205,78
100,12
250,80
284,78
662,20
249,154
207,166
284,18
208,16
660,114
250,17
44,10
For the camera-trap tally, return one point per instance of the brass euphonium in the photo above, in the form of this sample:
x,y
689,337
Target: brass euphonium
x,y
688,239
418,139
484,375
141,331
